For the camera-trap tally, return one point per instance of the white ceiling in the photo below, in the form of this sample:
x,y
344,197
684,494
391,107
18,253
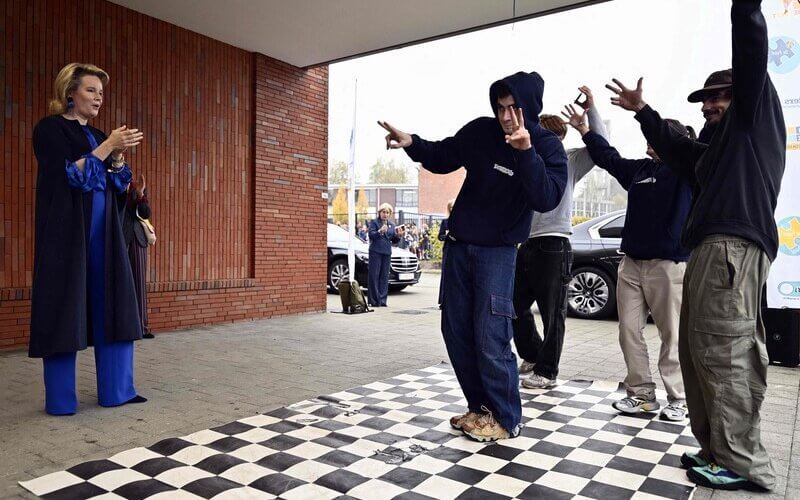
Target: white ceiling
x,y
312,32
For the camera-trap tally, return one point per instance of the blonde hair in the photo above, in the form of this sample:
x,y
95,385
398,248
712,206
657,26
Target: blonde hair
x,y
554,124
68,80
385,206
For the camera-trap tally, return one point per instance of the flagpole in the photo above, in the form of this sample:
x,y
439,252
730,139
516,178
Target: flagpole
x,y
351,204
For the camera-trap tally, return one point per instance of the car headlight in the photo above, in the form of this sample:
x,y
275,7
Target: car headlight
x,y
364,256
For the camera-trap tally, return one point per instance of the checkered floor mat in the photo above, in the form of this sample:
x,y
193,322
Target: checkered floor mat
x,y
391,439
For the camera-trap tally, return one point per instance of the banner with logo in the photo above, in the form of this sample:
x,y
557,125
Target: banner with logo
x,y
783,18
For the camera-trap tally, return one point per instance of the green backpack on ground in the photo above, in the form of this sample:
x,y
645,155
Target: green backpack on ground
x,y
353,300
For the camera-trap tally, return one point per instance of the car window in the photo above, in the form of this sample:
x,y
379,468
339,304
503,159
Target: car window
x,y
615,223
612,228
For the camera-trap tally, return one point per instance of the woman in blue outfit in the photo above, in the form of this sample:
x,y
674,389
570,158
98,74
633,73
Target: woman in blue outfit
x,y
83,292
381,235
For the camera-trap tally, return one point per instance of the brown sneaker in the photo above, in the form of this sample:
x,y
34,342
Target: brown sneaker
x,y
461,422
486,428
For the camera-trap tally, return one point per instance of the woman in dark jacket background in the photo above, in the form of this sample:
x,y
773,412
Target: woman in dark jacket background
x,y
138,207
82,290
381,235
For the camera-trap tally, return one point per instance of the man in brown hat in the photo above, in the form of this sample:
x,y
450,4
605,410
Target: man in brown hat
x,y
736,170
716,98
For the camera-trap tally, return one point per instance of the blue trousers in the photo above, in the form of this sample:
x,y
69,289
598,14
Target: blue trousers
x,y
378,285
477,310
113,360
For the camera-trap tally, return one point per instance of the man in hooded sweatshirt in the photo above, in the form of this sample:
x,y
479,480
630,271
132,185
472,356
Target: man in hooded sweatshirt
x,y
514,166
736,170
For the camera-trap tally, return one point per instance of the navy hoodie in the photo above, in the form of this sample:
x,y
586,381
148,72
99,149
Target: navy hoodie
x,y
736,175
503,186
658,202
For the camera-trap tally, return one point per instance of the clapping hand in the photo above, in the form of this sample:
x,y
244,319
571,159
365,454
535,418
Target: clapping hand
x,y
520,138
395,139
123,138
630,99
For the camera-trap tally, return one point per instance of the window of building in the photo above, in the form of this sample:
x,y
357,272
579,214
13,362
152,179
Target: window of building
x,y
407,198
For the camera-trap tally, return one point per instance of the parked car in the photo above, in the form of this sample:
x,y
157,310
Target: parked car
x,y
404,269
592,292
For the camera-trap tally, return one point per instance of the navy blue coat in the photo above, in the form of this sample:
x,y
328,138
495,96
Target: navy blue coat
x,y
381,243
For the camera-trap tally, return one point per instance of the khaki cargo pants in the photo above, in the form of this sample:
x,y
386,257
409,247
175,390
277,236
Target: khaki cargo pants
x,y
723,353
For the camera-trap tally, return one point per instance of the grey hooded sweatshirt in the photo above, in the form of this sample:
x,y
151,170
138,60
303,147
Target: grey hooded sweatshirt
x,y
559,220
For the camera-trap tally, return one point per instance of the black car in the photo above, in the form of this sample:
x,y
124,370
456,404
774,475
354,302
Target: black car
x,y
592,292
404,270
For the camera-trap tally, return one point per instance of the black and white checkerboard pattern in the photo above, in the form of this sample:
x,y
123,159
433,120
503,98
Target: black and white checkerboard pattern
x,y
392,440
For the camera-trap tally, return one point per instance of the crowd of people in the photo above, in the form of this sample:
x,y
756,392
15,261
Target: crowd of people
x,y
416,239
699,238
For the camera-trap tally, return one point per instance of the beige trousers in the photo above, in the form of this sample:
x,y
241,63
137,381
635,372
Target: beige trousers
x,y
655,287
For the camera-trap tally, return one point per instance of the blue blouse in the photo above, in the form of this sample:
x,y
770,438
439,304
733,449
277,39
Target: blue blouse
x,y
93,177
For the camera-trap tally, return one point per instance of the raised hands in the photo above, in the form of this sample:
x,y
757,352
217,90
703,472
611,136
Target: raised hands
x,y
630,99
575,119
589,101
519,138
395,139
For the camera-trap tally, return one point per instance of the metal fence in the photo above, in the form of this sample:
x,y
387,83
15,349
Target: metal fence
x,y
400,217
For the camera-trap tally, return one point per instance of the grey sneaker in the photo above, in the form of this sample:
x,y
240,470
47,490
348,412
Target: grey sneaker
x,y
635,405
536,381
674,412
526,367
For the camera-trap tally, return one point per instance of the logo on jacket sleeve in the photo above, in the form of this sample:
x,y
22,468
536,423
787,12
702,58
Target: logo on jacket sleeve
x,y
504,170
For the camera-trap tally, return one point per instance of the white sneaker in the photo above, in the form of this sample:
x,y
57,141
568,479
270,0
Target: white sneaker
x,y
536,381
674,412
526,367
635,405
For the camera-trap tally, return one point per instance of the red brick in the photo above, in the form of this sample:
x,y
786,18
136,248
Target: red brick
x,y
226,251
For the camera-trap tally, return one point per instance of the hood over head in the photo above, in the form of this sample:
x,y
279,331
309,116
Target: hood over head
x,y
527,89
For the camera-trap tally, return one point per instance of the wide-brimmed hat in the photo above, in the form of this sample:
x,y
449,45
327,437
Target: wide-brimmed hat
x,y
717,80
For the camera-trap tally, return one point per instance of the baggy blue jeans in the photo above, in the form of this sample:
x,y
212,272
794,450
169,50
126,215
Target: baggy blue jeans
x,y
477,310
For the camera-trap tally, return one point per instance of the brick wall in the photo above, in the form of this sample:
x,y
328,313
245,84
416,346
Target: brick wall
x,y
436,190
235,157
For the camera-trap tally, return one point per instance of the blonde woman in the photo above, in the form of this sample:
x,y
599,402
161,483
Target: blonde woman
x,y
83,291
382,234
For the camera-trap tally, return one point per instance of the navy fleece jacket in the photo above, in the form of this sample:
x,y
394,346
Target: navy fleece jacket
x,y
658,202
503,185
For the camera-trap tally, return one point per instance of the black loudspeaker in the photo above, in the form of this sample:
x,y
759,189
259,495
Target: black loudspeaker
x,y
783,336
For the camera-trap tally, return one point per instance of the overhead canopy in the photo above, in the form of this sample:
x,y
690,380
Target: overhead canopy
x,y
313,32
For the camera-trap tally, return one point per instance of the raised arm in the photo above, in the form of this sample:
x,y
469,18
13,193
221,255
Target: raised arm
x,y
439,157
678,152
579,159
750,56
608,158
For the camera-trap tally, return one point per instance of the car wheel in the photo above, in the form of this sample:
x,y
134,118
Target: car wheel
x,y
397,288
592,294
337,271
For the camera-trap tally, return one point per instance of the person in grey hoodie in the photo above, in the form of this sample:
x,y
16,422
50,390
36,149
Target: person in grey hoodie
x,y
544,266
